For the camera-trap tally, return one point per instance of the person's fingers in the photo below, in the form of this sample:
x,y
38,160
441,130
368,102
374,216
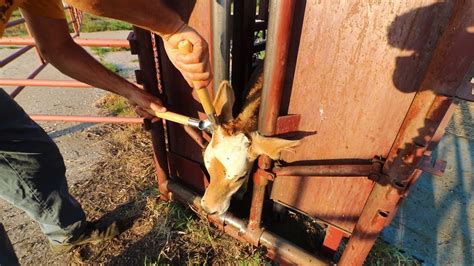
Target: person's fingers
x,y
197,76
200,67
143,113
157,107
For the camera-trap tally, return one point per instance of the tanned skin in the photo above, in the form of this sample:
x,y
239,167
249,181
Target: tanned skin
x,y
58,48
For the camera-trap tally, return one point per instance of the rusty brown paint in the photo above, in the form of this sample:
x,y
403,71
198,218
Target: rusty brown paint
x,y
276,54
325,170
287,124
340,199
180,97
189,172
149,78
354,84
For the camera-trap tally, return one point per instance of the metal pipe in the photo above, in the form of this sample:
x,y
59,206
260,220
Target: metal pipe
x,y
44,83
48,83
88,119
146,59
15,22
276,53
220,11
258,197
236,228
80,41
15,55
31,76
325,170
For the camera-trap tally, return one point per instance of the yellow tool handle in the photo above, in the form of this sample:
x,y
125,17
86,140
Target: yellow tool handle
x,y
170,116
186,47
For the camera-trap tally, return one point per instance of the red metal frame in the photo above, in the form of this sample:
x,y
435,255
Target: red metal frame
x,y
76,19
80,41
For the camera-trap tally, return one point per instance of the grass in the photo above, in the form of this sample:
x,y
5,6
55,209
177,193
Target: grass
x,y
116,105
90,23
385,254
160,232
16,31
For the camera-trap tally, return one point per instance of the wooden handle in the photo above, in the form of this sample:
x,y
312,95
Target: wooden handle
x,y
170,116
186,47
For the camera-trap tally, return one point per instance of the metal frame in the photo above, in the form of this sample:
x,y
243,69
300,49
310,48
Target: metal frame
x,y
392,178
75,20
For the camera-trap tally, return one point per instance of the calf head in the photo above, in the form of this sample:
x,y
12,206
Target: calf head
x,y
234,146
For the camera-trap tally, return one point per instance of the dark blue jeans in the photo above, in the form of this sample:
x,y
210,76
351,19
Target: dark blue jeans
x,y
32,174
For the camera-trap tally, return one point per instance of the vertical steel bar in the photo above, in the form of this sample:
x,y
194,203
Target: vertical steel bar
x,y
220,41
280,21
146,60
276,53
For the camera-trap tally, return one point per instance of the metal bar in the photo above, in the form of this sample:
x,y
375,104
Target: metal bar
x,y
220,11
260,182
149,78
80,41
15,55
15,22
31,76
235,227
73,20
325,170
276,53
44,83
91,119
281,17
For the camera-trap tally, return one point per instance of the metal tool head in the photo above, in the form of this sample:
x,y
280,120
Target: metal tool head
x,y
205,125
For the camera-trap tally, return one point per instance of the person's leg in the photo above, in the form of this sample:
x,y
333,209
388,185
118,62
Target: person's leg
x,y
7,254
32,174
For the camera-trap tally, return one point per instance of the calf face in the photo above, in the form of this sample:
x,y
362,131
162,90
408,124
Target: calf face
x,y
234,146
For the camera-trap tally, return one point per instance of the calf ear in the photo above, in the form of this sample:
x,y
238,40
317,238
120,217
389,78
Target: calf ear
x,y
272,147
224,102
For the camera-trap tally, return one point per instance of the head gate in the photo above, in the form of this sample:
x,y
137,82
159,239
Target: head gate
x,y
235,145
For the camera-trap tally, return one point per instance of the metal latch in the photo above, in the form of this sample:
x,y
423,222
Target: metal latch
x,y
436,167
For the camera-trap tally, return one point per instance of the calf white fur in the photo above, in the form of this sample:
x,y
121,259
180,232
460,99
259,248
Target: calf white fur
x,y
235,145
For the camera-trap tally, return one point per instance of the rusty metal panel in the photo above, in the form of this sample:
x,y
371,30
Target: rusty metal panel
x,y
335,200
188,171
355,71
180,97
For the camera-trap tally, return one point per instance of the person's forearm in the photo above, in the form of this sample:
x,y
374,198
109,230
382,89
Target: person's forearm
x,y
152,15
72,60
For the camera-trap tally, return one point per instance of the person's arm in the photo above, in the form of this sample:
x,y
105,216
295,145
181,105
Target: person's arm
x,y
58,48
155,16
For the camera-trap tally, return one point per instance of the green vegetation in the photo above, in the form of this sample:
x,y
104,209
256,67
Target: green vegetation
x,y
16,31
90,23
116,105
196,243
385,254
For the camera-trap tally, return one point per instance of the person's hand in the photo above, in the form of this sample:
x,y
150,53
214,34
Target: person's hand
x,y
143,101
195,66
